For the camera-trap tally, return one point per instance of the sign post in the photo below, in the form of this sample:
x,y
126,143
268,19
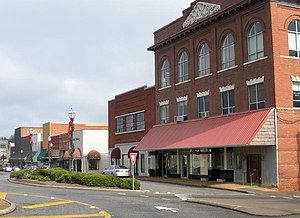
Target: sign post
x,y
133,159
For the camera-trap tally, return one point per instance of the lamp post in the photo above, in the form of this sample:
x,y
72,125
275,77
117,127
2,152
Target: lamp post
x,y
30,142
70,131
49,142
21,152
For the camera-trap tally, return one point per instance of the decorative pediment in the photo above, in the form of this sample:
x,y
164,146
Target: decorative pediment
x,y
200,11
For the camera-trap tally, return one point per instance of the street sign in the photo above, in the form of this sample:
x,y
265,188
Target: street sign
x,y
133,157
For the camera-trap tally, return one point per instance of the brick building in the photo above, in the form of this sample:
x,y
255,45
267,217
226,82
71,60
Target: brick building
x,y
131,115
227,88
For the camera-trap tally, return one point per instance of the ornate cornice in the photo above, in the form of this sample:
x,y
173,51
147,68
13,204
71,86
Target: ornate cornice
x,y
200,11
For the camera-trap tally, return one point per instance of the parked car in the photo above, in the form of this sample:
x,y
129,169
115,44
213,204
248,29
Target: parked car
x,y
15,168
2,168
8,169
117,170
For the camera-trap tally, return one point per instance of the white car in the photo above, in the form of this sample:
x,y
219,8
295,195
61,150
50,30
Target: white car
x,y
8,169
117,170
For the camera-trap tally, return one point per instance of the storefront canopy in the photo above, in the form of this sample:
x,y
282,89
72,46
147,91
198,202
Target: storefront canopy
x,y
221,131
116,153
93,155
42,155
76,154
131,151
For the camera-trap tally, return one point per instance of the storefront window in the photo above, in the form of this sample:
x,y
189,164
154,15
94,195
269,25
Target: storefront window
x,y
93,164
230,158
142,163
218,158
195,158
173,163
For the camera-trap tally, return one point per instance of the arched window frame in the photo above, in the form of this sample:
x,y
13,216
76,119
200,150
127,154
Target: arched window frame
x,y
255,42
183,67
203,60
165,74
228,53
294,38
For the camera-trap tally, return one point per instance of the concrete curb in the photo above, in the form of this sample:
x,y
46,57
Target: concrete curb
x,y
75,187
9,209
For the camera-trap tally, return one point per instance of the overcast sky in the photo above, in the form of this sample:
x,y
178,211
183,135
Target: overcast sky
x,y
58,54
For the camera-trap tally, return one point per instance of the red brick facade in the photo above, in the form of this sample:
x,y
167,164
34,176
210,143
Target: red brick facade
x,y
276,67
140,99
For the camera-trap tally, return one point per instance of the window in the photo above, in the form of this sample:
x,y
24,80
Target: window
x,y
228,102
294,38
182,108
143,163
93,164
129,122
228,56
203,106
140,121
173,163
165,74
164,113
183,67
255,42
203,63
120,126
296,94
256,96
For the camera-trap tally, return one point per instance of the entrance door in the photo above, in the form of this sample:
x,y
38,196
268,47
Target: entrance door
x,y
254,168
164,165
184,167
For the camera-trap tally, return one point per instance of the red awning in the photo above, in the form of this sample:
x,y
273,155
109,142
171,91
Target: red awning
x,y
132,151
93,155
116,153
221,131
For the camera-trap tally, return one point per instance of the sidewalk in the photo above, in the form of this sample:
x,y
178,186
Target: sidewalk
x,y
261,201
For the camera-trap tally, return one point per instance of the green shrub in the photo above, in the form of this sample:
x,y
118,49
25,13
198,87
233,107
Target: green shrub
x,y
89,179
126,183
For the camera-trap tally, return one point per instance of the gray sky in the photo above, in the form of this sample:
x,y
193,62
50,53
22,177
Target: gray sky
x,y
58,54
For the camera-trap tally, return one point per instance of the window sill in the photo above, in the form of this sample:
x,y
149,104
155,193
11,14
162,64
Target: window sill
x,y
260,59
289,57
164,88
200,77
230,68
182,82
132,131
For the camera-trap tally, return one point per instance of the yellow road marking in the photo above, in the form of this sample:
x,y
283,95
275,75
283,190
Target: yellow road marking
x,y
47,204
106,215
3,195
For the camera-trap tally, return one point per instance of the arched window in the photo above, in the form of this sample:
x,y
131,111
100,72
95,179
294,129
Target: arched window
x,y
203,61
255,42
228,57
165,74
183,67
294,38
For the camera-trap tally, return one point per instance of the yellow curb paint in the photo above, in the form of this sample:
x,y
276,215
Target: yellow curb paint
x,y
67,216
3,195
47,204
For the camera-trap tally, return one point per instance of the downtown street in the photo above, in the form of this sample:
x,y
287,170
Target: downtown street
x,y
154,200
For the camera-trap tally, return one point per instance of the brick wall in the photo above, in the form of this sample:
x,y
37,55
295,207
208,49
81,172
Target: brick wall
x,y
130,102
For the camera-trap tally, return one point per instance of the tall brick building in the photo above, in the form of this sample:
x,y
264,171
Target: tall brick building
x,y
227,94
131,115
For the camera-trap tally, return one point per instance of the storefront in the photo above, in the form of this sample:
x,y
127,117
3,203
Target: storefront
x,y
239,148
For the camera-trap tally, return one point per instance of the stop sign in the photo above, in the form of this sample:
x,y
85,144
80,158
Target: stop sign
x,y
133,157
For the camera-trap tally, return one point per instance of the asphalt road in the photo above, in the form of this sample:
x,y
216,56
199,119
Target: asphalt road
x,y
160,200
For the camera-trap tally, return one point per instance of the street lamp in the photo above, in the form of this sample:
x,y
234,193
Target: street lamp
x,y
49,153
21,152
70,131
30,142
